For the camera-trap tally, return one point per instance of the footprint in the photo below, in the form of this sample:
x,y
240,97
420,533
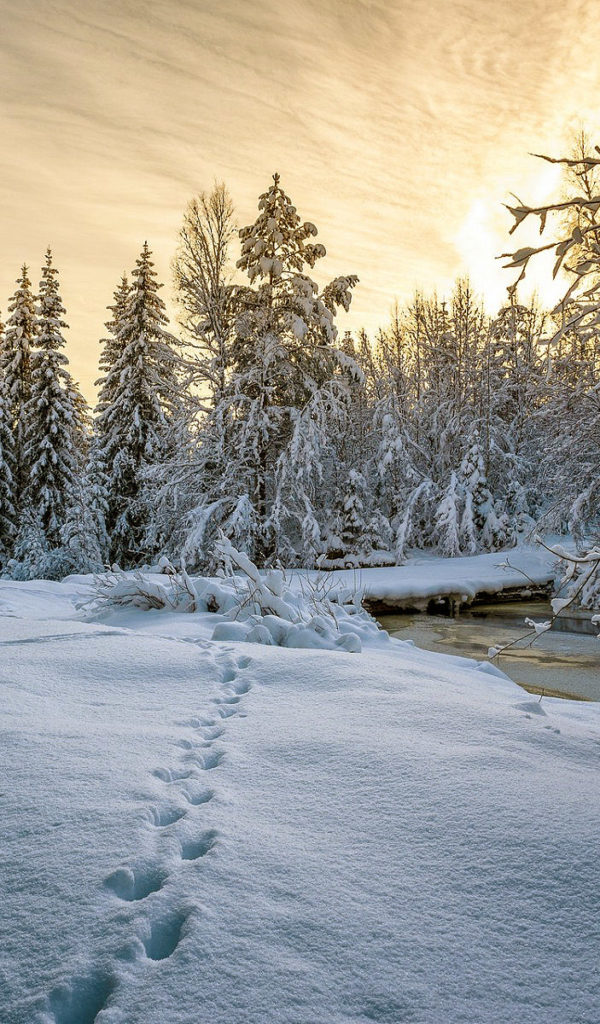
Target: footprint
x,y
172,774
129,884
213,734
212,760
227,700
194,849
198,797
242,687
244,661
227,712
162,816
164,937
195,722
228,675
80,1001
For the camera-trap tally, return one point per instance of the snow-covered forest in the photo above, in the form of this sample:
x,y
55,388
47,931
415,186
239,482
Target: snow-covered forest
x,y
252,416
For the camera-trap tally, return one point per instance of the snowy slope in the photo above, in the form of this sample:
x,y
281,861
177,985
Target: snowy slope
x,y
235,834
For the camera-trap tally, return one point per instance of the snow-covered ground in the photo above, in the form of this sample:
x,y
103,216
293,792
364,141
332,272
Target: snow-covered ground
x,y
425,576
199,832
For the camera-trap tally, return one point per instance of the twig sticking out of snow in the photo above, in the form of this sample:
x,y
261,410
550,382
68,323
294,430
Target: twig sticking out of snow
x,y
582,579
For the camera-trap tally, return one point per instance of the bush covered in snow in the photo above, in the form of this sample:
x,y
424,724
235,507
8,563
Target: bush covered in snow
x,y
257,607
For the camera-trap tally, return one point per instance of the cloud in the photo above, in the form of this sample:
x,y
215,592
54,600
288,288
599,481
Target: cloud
x,y
389,121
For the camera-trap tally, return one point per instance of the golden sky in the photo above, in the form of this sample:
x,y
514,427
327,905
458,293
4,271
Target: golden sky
x,y
398,126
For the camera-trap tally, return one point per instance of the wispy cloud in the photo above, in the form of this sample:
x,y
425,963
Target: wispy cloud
x,y
387,120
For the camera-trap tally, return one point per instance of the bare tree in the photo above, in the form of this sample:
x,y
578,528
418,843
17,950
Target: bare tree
x,y
203,280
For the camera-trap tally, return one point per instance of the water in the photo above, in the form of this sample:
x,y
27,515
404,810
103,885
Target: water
x,y
564,662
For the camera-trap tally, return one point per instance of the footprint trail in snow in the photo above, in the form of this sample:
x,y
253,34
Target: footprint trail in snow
x,y
158,927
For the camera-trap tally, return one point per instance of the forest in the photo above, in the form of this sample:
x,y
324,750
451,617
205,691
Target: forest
x,y
254,419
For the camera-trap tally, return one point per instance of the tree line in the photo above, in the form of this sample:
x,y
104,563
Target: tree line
x,y
254,419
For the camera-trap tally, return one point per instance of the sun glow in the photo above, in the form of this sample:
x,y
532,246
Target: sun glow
x,y
484,235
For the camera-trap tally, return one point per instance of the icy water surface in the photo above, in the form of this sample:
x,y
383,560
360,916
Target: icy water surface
x,y
564,662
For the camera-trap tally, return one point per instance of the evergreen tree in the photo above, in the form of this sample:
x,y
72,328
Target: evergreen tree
x,y
446,530
52,447
15,370
281,354
8,512
136,399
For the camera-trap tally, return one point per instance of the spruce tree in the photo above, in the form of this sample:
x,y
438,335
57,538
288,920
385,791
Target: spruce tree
x,y
281,355
15,370
134,411
8,514
52,447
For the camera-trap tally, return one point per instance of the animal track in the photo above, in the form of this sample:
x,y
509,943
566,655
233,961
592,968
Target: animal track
x,y
213,734
199,797
81,1000
164,937
85,996
162,816
195,722
212,760
194,849
172,774
131,885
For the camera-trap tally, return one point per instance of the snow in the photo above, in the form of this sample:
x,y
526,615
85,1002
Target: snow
x,y
424,577
240,834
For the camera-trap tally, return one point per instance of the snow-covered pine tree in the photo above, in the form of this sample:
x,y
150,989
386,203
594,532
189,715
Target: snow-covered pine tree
x,y
53,438
362,528
15,370
8,512
447,518
112,348
137,395
483,522
96,477
306,470
282,353
83,544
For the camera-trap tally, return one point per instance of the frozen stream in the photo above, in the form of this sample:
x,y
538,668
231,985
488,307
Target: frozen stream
x,y
563,662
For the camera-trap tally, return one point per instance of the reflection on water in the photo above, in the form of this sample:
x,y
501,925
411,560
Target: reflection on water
x,y
560,663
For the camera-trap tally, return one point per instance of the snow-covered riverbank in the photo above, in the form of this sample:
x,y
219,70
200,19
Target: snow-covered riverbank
x,y
425,576
198,831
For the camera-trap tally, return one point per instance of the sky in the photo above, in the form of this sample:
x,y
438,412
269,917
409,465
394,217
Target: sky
x,y
399,127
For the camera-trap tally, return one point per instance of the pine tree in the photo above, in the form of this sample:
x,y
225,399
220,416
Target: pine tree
x,y
53,444
447,521
282,353
136,399
8,513
112,348
15,370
